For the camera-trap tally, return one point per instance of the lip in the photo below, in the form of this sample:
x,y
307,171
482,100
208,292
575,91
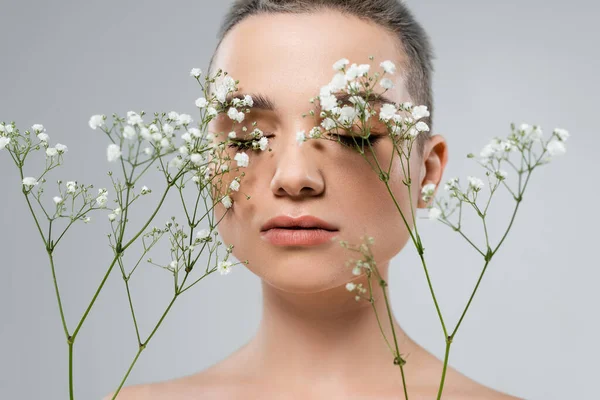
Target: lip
x,y
309,231
305,221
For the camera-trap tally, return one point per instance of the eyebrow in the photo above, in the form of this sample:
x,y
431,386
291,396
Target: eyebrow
x,y
263,102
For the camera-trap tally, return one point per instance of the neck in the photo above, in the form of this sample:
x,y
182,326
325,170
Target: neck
x,y
328,338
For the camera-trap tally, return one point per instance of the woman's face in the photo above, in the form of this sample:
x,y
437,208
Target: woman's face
x,y
288,58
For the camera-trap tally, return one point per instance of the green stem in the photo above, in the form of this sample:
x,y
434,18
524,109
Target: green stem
x,y
445,367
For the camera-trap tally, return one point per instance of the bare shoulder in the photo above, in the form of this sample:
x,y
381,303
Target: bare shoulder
x,y
461,387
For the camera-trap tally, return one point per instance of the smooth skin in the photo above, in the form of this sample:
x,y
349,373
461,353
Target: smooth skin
x,y
314,340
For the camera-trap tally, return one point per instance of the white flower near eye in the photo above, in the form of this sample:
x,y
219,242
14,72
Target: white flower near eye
x,y
352,73
37,128
211,111
556,148
129,132
388,66
30,181
232,135
475,184
562,134
201,102
263,143
43,137
145,190
71,186
96,121
328,102
57,199
328,124
248,100
386,83
234,185
242,159
134,118
235,115
350,286
227,202
427,191
387,112
338,82
412,133
356,271
434,213
61,148
224,267
315,133
347,115
300,137
422,126
419,112
184,119
113,152
4,141
340,64
195,72
196,158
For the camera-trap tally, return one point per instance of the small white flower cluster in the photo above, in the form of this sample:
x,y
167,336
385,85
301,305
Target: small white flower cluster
x,y
348,79
427,192
351,287
145,190
102,197
112,216
224,267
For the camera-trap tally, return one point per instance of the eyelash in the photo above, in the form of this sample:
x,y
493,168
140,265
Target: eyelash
x,y
344,139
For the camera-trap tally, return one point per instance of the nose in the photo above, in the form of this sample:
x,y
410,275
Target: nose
x,y
297,172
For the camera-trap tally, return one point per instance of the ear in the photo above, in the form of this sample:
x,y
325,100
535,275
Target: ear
x,y
435,157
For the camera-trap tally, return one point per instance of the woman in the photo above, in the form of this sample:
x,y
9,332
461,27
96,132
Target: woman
x,y
315,341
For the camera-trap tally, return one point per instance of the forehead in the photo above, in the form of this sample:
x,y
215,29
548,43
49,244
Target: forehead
x,y
289,57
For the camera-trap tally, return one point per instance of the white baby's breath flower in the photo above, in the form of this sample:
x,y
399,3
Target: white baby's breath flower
x,y
224,267
501,174
168,130
300,137
157,137
145,190
146,134
196,158
388,66
350,286
164,143
71,186
153,128
134,118
434,213
61,148
201,102
232,135
211,111
535,134
427,191
184,151
113,152
387,111
112,217
328,102
176,162
451,184
338,82
422,126
242,159
328,124
562,134
184,119
227,202
202,234
475,184
29,181
263,143
195,72
51,152
387,83
43,137
235,115
129,132
37,128
356,270
148,151
96,121
340,64
4,141
556,148
419,112
57,199
235,185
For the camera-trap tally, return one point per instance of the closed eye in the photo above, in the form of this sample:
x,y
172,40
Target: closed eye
x,y
353,141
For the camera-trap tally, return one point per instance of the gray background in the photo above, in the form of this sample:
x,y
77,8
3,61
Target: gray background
x,y
532,330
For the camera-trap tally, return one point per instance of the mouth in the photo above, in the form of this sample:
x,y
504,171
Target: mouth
x,y
305,222
306,230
